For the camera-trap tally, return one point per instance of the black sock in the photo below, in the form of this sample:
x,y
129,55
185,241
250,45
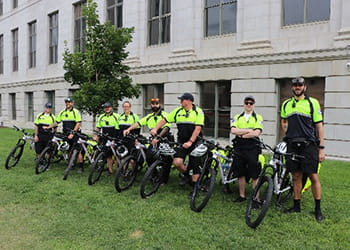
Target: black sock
x,y
296,204
317,205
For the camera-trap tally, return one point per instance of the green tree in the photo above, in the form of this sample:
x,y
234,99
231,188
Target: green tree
x,y
98,69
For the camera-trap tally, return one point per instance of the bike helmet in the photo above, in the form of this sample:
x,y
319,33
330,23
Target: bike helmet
x,y
281,148
165,149
200,150
64,146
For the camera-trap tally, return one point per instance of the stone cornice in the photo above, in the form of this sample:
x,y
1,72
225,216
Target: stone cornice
x,y
246,60
32,82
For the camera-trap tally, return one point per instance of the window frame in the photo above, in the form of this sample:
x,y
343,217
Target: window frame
x,y
220,5
79,37
15,42
1,54
13,106
53,45
115,7
160,17
29,96
32,44
305,15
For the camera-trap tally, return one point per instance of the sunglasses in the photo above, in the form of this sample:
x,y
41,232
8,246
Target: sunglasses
x,y
249,103
154,103
155,100
297,84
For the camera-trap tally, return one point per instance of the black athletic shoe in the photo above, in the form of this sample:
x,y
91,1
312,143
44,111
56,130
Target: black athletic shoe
x,y
185,180
240,199
319,216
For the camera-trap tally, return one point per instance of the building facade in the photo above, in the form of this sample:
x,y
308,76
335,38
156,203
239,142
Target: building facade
x,y
219,50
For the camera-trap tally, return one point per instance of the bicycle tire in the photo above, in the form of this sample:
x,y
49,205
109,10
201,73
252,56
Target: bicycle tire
x,y
257,208
56,158
152,179
228,187
15,155
43,162
287,181
71,163
126,173
204,187
97,168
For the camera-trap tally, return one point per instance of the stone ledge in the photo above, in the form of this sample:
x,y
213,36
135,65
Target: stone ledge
x,y
258,44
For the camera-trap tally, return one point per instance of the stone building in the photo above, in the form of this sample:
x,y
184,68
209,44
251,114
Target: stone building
x,y
220,50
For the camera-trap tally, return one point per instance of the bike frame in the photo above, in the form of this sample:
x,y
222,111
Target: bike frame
x,y
217,156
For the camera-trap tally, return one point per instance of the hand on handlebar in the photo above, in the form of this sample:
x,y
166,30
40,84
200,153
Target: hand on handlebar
x,y
153,132
70,136
126,132
36,138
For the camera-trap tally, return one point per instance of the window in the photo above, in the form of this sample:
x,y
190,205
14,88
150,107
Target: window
x,y
1,54
149,92
159,22
216,104
0,105
115,12
79,27
14,4
32,44
13,106
53,32
220,17
305,11
15,50
1,7
30,106
50,97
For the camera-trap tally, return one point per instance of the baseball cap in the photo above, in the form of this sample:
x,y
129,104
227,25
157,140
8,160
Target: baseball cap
x,y
249,97
106,105
48,105
298,80
68,99
186,96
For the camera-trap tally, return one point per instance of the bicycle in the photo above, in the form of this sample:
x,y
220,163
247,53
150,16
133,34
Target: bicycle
x,y
85,145
158,172
218,160
132,164
56,150
114,145
17,151
274,179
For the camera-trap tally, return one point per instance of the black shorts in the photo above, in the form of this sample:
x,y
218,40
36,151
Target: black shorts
x,y
44,140
193,163
247,163
309,163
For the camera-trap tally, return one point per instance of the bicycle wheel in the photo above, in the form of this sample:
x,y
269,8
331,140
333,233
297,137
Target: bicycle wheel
x,y
43,162
287,186
259,202
71,163
14,156
126,173
97,168
203,188
152,179
228,188
57,155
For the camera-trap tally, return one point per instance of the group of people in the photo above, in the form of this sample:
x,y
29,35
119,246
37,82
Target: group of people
x,y
301,120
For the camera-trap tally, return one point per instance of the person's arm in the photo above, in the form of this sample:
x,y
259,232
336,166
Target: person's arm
x,y
320,132
240,131
164,131
284,124
36,138
193,137
158,126
133,126
252,134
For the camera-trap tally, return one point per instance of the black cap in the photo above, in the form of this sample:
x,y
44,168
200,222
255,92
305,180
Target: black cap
x,y
298,80
68,99
186,96
249,97
106,105
48,105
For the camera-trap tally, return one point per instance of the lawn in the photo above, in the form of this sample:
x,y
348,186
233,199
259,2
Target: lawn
x,y
45,212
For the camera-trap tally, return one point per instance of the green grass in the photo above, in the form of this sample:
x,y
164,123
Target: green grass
x,y
45,212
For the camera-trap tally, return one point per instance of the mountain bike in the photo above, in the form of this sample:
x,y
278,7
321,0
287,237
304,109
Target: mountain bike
x,y
132,164
219,160
274,179
17,151
56,150
158,172
86,146
116,147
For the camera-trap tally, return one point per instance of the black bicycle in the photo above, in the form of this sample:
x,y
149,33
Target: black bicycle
x,y
158,172
56,150
274,179
17,151
132,164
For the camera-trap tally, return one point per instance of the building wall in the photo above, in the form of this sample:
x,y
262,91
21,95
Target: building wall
x,y
253,58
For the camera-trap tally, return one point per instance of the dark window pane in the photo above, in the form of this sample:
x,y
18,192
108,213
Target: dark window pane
x,y
293,11
154,8
211,2
212,22
208,95
166,29
166,7
224,124
110,2
209,122
224,92
318,10
229,18
154,32
110,15
119,17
